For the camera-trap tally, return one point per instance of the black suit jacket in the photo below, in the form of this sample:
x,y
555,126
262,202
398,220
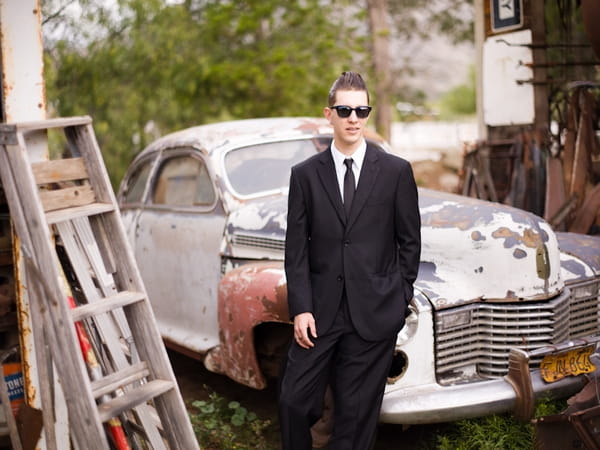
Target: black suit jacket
x,y
374,253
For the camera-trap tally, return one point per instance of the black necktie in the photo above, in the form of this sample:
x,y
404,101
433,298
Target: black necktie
x,y
349,186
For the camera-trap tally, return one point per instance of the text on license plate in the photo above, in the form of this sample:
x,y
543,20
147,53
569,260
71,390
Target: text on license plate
x,y
571,362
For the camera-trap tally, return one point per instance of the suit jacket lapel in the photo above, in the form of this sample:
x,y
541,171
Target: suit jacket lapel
x,y
368,175
326,172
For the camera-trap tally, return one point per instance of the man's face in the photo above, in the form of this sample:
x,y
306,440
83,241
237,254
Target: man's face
x,y
347,132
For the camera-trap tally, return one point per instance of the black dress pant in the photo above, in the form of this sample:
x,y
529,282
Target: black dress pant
x,y
357,371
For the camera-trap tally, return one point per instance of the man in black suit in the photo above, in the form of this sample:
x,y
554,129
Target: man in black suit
x,y
352,255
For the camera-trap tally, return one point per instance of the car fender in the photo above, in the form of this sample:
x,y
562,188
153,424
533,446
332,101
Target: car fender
x,y
248,296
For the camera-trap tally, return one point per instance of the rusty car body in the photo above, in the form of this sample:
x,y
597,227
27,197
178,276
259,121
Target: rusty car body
x,y
205,210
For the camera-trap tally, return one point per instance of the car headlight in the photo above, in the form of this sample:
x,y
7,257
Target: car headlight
x,y
453,319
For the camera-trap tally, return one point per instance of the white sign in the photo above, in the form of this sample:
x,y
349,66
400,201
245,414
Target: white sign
x,y
507,91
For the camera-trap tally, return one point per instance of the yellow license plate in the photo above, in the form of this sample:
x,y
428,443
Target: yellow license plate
x,y
568,363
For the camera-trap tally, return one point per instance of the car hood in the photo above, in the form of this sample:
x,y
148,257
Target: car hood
x,y
472,250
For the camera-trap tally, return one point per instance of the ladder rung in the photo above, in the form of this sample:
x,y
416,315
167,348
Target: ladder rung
x,y
132,398
120,378
61,122
119,300
67,197
61,215
59,170
8,131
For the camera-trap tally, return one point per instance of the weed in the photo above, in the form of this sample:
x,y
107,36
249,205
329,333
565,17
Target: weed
x,y
223,425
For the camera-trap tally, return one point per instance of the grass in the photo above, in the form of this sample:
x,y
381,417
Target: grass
x,y
497,432
221,424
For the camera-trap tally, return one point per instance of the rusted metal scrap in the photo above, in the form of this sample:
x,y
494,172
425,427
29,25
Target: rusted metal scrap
x,y
578,426
522,171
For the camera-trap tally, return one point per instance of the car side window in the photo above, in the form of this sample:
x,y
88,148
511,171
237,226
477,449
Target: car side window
x,y
137,183
184,181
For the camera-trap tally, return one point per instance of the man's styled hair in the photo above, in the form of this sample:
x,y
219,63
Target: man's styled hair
x,y
347,81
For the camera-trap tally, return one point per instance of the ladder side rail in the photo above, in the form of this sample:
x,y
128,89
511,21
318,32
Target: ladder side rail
x,y
39,295
83,139
35,238
149,344
45,367
43,359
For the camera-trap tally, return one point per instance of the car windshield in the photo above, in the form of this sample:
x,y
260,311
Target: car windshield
x,y
266,167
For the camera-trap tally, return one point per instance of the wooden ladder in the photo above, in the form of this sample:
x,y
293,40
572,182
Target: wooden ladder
x,y
74,246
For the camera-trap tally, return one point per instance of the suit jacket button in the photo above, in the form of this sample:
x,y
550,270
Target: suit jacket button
x,y
346,243
340,278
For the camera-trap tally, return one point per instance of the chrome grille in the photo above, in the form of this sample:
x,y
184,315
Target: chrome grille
x,y
483,344
249,240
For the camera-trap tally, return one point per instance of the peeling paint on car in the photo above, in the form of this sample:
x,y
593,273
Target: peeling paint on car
x,y
519,254
489,253
249,295
574,268
477,236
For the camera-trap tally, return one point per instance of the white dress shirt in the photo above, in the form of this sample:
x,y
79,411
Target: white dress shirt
x,y
340,168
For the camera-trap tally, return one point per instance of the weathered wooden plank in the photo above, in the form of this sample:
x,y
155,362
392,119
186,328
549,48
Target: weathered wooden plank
x,y
67,197
108,304
62,215
59,170
120,378
584,146
60,122
133,398
587,213
84,139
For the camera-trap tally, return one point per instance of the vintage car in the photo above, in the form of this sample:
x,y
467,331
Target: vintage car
x,y
505,309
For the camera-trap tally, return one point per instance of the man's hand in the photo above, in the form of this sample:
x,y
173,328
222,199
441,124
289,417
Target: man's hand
x,y
303,323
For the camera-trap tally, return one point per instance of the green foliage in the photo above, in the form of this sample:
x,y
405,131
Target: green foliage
x,y
153,67
143,68
497,432
223,425
461,100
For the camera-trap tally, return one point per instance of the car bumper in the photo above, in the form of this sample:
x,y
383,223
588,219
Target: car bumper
x,y
435,403
516,393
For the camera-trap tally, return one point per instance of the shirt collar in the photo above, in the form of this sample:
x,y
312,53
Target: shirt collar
x,y
358,156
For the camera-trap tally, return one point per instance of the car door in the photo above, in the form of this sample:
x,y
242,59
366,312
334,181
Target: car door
x,y
177,241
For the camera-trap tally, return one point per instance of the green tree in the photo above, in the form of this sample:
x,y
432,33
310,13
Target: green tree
x,y
151,67
142,68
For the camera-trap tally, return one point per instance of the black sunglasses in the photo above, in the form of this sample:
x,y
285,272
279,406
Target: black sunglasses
x,y
362,112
